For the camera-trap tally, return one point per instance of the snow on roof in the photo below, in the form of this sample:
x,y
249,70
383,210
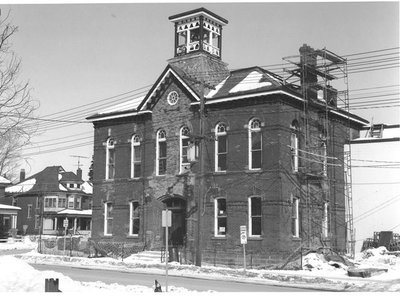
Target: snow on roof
x,y
125,106
250,82
8,207
87,188
62,188
217,88
4,180
22,187
75,212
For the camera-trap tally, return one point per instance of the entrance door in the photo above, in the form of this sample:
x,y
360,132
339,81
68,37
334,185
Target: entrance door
x,y
177,231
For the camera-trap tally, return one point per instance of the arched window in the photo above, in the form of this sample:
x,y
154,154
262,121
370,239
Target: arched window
x,y
255,216
184,149
221,147
161,152
110,159
294,146
220,217
255,144
134,218
136,157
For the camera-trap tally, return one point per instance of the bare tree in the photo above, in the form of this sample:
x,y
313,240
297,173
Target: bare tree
x,y
16,104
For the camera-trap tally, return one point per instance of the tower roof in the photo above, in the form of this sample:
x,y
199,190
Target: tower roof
x,y
196,12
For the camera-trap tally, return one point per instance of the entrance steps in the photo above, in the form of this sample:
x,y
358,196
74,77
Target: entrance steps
x,y
147,256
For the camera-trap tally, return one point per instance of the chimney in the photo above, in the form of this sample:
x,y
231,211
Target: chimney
x,y
22,175
309,79
79,173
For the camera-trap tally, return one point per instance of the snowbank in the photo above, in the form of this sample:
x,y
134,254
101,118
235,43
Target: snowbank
x,y
13,244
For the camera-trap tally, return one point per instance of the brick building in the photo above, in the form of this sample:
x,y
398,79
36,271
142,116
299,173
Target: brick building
x,y
49,197
262,156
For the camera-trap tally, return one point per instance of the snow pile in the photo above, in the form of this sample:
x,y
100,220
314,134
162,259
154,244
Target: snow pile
x,y
379,258
14,244
21,277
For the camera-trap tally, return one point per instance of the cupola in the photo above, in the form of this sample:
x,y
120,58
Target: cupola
x,y
198,30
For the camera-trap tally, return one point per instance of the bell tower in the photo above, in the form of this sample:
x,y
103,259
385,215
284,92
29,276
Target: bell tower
x,y
198,30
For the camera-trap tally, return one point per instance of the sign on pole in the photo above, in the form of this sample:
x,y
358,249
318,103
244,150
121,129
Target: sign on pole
x,y
243,241
166,222
65,223
166,218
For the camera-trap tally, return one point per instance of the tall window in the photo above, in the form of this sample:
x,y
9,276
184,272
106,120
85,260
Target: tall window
x,y
295,217
62,202
184,148
50,202
71,202
108,218
255,216
221,150
324,159
136,157
29,213
294,146
134,219
161,168
37,221
255,144
220,217
78,202
326,225
110,159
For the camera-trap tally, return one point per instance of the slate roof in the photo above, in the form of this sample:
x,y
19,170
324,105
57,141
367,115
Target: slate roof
x,y
48,180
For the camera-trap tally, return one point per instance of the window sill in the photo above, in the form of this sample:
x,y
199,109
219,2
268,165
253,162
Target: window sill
x,y
220,173
107,235
296,238
132,236
255,238
218,238
253,171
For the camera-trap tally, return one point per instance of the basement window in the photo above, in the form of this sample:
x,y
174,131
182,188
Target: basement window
x,y
220,217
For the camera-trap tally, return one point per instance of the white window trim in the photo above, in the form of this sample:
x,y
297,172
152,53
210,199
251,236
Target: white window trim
x,y
133,145
105,219
158,151
296,225
325,221
250,131
294,141
29,212
216,218
324,159
217,135
131,219
181,138
250,217
108,148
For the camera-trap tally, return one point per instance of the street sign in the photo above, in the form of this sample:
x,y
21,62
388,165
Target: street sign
x,y
166,218
243,234
65,223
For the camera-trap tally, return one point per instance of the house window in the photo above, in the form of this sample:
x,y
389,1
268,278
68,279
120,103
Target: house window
x,y
78,203
14,201
161,153
62,202
50,202
110,159
294,146
220,217
134,222
220,148
136,157
37,203
184,148
255,144
29,212
324,159
295,217
37,221
71,202
255,216
326,225
108,219
71,185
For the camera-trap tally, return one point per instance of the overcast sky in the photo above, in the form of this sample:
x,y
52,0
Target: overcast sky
x,y
79,54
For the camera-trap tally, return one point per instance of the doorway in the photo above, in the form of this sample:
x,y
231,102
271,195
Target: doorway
x,y
177,231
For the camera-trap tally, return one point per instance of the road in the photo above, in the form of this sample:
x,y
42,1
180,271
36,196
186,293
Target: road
x,y
134,278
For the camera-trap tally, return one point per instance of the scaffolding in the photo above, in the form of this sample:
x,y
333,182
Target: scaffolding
x,y
318,74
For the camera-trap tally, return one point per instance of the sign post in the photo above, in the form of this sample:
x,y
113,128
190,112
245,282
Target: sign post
x,y
166,222
65,224
243,241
